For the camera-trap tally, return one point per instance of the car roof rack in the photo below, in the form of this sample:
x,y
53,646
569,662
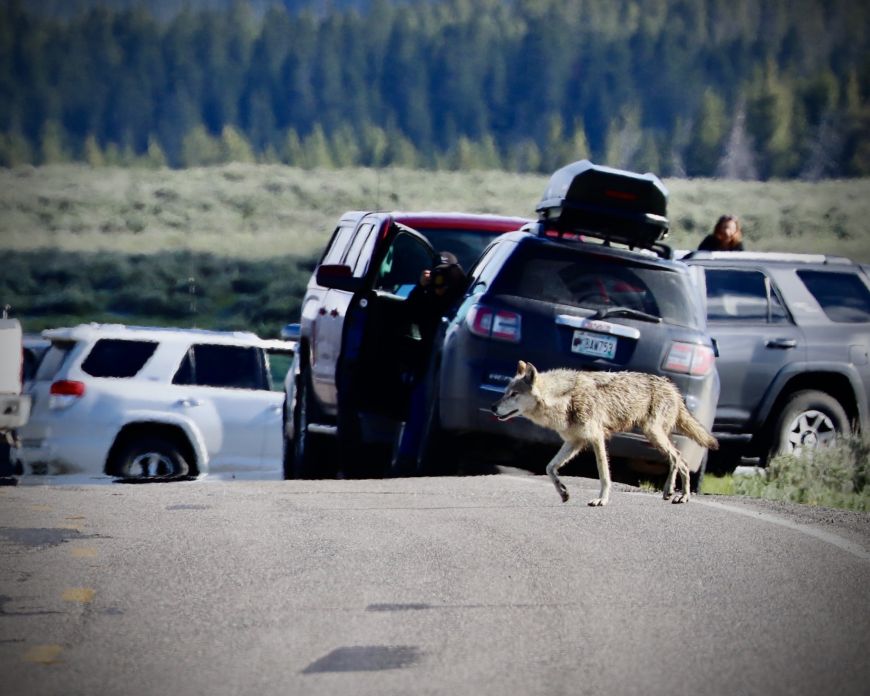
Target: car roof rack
x,y
615,205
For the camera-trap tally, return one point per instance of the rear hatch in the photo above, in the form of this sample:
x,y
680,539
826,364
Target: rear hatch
x,y
561,305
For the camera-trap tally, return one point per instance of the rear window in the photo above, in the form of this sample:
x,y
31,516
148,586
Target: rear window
x,y
597,282
113,357
842,296
229,367
742,296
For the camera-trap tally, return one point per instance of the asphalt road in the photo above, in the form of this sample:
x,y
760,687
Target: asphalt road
x,y
475,585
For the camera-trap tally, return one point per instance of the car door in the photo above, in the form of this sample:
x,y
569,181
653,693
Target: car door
x,y
278,363
380,346
224,389
756,339
331,320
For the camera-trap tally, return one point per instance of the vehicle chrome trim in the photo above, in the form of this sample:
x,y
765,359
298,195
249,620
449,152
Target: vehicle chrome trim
x,y
320,429
598,326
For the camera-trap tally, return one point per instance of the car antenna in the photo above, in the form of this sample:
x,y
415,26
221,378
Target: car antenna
x,y
378,190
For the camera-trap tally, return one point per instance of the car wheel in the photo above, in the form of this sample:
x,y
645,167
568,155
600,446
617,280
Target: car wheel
x,y
151,458
439,453
810,419
308,457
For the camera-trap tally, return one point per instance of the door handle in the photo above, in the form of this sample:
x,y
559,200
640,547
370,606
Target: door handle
x,y
188,402
783,343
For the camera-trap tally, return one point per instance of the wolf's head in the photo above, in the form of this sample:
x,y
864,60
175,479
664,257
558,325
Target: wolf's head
x,y
519,396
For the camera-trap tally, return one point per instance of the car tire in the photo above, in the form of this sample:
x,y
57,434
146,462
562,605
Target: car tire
x,y
696,478
151,458
809,419
440,455
308,457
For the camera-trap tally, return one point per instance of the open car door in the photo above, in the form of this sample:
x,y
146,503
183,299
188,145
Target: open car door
x,y
382,347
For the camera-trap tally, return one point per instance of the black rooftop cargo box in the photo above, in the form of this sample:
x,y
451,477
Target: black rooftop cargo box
x,y
612,204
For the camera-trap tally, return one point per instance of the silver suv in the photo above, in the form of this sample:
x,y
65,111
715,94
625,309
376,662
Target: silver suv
x,y
793,335
141,403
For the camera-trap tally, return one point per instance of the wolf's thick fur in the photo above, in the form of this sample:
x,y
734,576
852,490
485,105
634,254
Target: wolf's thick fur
x,y
586,408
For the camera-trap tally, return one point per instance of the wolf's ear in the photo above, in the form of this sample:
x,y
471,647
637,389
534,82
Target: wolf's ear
x,y
521,368
531,373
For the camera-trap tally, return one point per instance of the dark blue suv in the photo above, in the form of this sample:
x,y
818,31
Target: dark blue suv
x,y
590,287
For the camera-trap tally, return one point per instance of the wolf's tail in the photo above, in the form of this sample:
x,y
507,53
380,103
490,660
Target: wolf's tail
x,y
688,424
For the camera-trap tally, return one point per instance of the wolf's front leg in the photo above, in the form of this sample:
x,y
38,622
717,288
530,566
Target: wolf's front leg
x,y
565,453
603,472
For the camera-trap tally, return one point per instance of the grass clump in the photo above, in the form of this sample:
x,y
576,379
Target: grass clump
x,y
834,477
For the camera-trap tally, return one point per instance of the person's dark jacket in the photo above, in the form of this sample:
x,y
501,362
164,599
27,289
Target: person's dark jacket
x,y
710,243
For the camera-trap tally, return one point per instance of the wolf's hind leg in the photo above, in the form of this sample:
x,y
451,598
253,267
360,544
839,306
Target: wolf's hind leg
x,y
565,453
684,476
598,444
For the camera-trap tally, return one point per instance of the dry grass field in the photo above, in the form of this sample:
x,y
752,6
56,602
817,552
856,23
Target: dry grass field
x,y
263,211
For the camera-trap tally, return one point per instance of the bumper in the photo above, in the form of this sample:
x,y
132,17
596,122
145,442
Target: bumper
x,y
80,455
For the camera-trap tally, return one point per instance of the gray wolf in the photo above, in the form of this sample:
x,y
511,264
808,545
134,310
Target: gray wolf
x,y
586,408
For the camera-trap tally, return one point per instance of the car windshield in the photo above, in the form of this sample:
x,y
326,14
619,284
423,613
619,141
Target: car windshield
x,y
607,286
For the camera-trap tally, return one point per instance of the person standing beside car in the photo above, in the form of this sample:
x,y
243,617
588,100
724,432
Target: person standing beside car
x,y
726,236
438,290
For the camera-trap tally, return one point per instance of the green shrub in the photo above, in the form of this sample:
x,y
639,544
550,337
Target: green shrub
x,y
830,477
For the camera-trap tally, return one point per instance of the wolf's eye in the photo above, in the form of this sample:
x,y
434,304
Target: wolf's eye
x,y
513,393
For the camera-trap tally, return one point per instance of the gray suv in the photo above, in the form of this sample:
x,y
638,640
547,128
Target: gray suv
x,y
793,336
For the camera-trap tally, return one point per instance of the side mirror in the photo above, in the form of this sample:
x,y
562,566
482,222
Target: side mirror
x,y
337,276
290,332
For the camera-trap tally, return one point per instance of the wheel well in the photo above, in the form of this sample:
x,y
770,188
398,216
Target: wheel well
x,y
134,431
830,383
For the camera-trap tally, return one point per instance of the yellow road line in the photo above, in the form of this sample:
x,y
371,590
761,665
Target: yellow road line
x,y
84,595
44,654
83,552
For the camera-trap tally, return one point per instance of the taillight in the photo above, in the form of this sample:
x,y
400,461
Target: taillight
x,y
494,323
689,359
64,393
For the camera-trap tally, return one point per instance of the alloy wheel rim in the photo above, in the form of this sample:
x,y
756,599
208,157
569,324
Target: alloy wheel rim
x,y
811,429
148,465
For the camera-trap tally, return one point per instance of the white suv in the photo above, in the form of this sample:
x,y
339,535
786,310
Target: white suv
x,y
139,402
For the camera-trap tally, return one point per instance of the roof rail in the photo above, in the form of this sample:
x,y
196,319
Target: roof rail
x,y
782,256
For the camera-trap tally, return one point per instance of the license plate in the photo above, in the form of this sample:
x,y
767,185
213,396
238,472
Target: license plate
x,y
596,345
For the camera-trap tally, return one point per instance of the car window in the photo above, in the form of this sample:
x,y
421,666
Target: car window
x,y
466,245
338,245
742,295
352,256
599,283
406,258
278,362
842,296
116,357
53,360
229,367
488,266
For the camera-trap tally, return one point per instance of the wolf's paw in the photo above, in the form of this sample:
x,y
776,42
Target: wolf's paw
x,y
563,492
667,495
681,498
597,502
